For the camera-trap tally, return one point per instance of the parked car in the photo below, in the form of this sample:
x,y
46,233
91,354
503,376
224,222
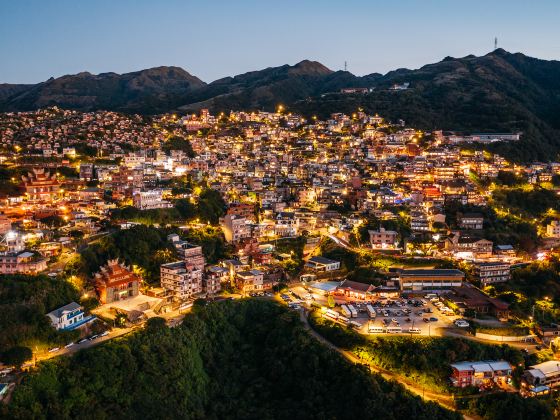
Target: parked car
x,y
54,349
93,337
83,340
104,334
69,345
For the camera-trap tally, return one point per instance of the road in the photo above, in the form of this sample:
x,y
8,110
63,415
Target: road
x,y
442,399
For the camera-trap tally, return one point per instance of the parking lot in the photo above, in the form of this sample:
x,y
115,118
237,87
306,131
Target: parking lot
x,y
420,314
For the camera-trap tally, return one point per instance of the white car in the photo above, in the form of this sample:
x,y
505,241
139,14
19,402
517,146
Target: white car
x,y
55,349
69,345
461,324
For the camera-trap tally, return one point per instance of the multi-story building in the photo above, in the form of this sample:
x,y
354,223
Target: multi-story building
x,y
69,317
115,282
546,374
470,221
383,239
21,262
436,279
190,253
250,280
235,227
150,199
181,281
553,229
40,185
492,272
480,373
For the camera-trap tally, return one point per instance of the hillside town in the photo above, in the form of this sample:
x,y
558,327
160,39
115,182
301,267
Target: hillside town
x,y
379,227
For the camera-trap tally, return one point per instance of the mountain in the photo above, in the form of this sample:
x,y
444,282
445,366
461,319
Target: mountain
x,y
153,90
499,91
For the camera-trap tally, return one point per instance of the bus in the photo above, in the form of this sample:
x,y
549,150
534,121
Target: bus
x,y
394,330
355,325
353,311
343,320
371,311
414,330
376,329
345,311
331,314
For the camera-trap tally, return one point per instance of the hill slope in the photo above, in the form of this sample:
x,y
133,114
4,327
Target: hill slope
x,y
153,90
230,360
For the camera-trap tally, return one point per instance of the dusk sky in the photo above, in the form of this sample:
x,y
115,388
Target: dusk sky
x,y
40,39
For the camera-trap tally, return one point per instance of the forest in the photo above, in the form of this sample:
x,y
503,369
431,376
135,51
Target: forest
x,y
246,359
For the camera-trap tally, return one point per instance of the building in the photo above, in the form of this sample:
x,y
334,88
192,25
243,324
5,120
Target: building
x,y
553,229
150,199
181,281
5,224
250,280
40,186
469,298
322,264
436,279
214,277
190,253
354,289
21,262
470,221
479,374
115,282
468,247
235,227
492,272
68,317
546,374
383,239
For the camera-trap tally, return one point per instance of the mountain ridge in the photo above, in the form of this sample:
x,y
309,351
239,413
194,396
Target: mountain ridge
x,y
498,91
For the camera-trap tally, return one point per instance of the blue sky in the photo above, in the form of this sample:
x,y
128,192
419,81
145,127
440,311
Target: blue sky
x,y
213,39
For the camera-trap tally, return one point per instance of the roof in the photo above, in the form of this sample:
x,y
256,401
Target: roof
x,y
482,366
73,306
322,260
362,287
327,286
432,272
548,368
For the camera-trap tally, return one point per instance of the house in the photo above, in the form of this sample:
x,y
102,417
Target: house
x,y
545,374
481,373
383,239
468,246
354,289
115,282
434,279
26,262
469,298
68,317
322,264
150,199
492,272
250,280
470,221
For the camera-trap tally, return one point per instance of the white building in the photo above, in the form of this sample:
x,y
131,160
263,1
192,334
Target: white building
x,y
150,199
67,317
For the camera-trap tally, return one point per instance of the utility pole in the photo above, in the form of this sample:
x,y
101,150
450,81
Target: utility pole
x,y
495,43
345,66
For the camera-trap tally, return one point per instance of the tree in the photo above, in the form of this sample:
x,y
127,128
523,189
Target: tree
x,y
330,301
17,356
156,324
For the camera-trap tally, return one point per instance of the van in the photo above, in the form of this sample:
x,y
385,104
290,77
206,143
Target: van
x,y
414,330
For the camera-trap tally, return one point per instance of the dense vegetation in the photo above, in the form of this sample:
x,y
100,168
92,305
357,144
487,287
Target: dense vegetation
x,y
250,360
179,143
24,302
209,207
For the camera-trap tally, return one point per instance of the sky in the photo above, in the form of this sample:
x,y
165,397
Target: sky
x,y
213,39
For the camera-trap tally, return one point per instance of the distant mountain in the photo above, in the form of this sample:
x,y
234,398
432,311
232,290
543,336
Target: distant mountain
x,y
499,91
153,90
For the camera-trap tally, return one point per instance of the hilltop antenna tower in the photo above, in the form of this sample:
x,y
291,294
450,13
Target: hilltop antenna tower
x,y
496,43
345,66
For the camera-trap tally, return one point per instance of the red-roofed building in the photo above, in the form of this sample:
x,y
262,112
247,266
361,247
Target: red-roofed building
x,y
115,282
